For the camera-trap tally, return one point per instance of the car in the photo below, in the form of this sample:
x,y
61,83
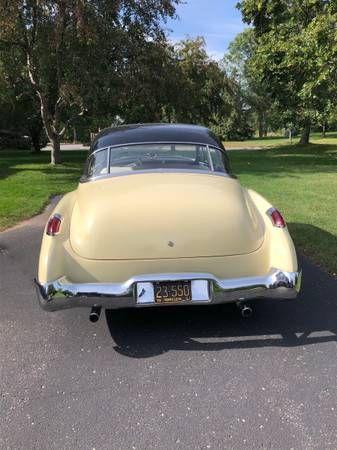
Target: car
x,y
159,219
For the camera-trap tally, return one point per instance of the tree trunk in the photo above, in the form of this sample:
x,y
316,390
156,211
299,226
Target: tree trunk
x,y
35,135
36,144
261,127
74,136
53,136
324,130
305,136
55,154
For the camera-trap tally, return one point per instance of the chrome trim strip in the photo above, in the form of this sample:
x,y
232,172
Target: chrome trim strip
x,y
98,150
83,179
156,142
210,162
62,294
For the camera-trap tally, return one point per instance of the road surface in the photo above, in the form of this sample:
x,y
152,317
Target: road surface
x,y
67,147
182,378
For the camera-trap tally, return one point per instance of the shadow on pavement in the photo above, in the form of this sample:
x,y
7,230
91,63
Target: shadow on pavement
x,y
309,320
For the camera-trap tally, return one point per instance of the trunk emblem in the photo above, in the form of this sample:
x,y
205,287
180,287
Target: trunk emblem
x,y
170,244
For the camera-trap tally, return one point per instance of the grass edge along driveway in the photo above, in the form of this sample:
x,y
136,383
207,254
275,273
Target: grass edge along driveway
x,y
299,180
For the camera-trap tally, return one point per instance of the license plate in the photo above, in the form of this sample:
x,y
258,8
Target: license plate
x,y
172,291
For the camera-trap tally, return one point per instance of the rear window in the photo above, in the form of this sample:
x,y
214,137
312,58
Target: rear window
x,y
152,157
97,163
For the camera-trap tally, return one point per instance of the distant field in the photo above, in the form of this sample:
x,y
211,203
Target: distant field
x,y
300,181
276,141
255,142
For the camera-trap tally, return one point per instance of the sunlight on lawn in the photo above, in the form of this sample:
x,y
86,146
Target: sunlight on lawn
x,y
300,181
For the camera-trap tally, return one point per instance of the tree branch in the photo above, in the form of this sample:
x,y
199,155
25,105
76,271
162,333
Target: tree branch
x,y
60,30
68,122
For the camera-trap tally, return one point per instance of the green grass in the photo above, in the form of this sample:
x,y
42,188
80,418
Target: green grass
x,y
277,141
28,181
270,141
300,181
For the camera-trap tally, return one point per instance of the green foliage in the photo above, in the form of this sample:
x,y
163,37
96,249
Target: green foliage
x,y
296,48
207,95
75,53
254,93
203,90
233,127
92,64
19,109
150,84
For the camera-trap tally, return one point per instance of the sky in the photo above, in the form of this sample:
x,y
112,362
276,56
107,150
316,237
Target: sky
x,y
217,20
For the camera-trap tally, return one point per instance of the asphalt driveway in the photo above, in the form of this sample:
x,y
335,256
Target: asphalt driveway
x,y
166,378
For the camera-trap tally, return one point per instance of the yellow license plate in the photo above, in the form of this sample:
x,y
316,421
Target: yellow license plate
x,y
172,291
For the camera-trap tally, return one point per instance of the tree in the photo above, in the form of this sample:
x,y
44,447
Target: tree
x,y
73,48
203,90
255,94
206,95
295,54
149,84
19,109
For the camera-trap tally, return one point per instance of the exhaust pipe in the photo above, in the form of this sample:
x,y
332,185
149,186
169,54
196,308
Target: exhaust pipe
x,y
246,311
95,313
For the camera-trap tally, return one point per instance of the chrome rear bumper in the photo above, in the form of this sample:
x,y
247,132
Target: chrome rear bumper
x,y
62,294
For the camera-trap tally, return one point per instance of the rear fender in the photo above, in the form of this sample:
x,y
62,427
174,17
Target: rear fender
x,y
282,253
51,262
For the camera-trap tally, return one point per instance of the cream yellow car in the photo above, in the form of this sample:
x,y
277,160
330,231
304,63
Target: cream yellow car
x,y
158,219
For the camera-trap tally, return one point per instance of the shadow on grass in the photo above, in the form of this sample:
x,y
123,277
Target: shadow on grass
x,y
286,160
319,244
319,136
270,138
311,319
13,162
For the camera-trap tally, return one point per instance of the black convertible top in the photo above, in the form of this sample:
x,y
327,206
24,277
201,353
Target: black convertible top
x,y
158,132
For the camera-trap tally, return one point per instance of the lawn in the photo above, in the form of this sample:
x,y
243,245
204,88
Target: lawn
x,y
300,181
28,181
269,141
277,141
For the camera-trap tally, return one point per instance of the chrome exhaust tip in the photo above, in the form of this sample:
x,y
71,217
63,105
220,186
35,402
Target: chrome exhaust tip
x,y
95,313
246,311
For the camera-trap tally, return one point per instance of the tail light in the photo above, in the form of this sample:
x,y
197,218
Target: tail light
x,y
276,218
54,225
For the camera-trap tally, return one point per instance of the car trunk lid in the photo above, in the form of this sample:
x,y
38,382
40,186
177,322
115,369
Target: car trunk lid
x,y
164,215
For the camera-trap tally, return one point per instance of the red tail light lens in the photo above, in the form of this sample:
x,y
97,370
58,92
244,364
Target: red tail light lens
x,y
54,225
277,218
